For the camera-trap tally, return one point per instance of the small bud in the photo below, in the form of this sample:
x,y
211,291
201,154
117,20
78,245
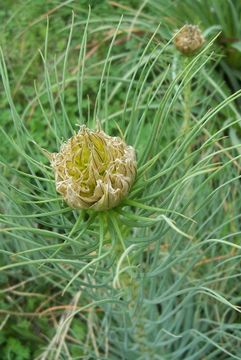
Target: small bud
x,y
94,170
189,39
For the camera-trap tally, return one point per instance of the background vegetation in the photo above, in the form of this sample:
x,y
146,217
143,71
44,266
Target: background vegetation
x,y
157,277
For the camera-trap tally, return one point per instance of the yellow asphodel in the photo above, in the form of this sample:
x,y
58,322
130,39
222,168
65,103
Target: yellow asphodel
x,y
94,170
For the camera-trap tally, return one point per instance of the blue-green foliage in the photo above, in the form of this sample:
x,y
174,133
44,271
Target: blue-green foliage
x,y
156,277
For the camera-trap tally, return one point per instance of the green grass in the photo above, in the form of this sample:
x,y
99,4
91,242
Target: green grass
x,y
158,276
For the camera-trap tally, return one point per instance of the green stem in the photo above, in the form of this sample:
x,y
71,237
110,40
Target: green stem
x,y
187,108
186,103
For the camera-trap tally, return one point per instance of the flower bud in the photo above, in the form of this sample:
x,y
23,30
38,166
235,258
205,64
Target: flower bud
x,y
94,170
189,39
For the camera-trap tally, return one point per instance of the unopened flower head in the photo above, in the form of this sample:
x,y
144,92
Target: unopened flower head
x,y
94,170
189,39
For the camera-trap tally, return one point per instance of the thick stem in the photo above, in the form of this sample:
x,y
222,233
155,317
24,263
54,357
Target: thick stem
x,y
186,103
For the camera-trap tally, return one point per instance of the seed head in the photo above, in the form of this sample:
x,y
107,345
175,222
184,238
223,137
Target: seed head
x,y
189,39
94,170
